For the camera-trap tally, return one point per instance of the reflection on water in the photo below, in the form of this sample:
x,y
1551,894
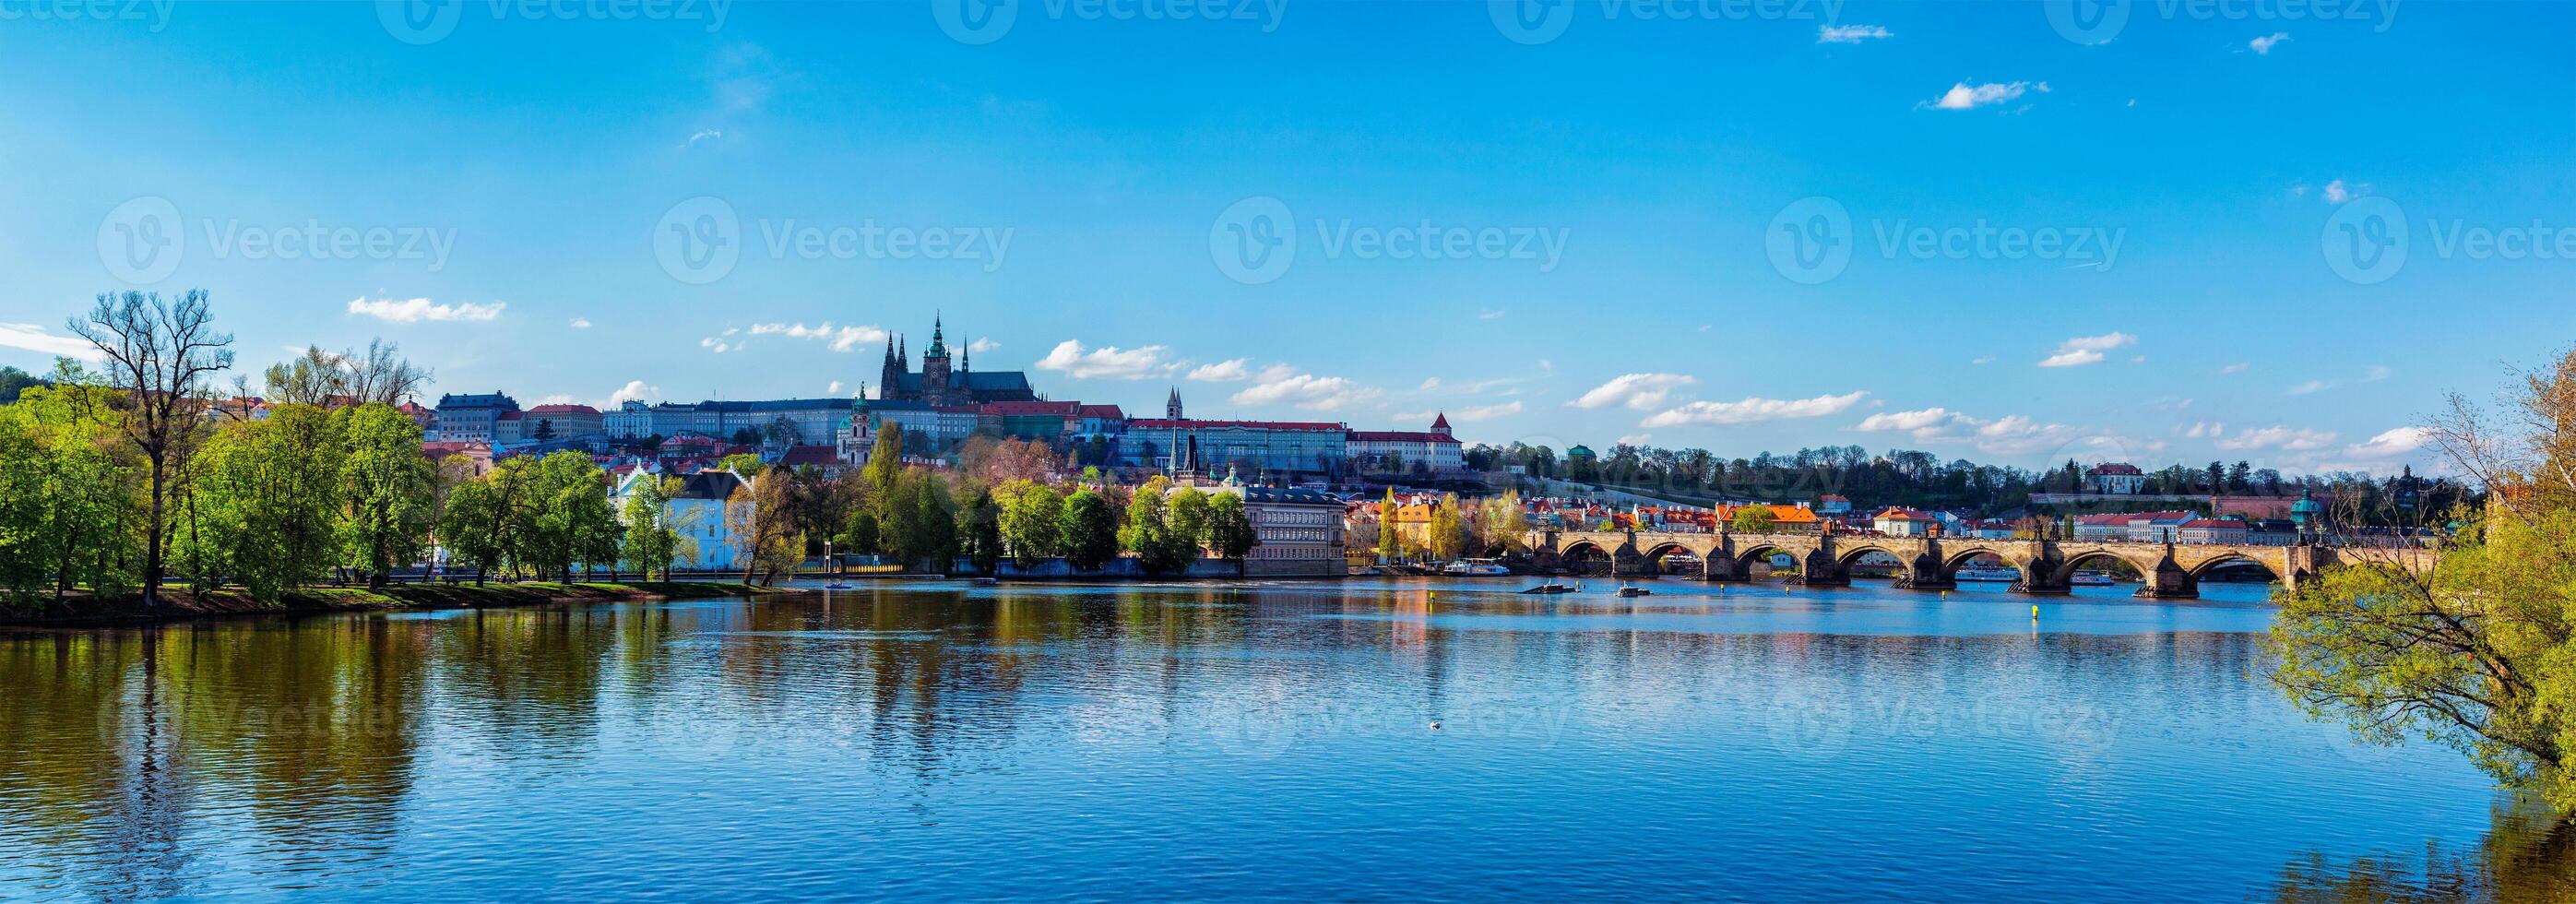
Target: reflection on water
x,y
1282,740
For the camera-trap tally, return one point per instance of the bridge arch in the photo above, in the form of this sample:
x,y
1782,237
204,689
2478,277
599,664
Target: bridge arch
x,y
1653,558
1587,557
2079,559
2237,557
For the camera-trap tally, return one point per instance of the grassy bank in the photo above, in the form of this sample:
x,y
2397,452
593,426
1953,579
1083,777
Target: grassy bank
x,y
179,602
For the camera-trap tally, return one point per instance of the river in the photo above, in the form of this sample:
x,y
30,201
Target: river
x,y
1266,740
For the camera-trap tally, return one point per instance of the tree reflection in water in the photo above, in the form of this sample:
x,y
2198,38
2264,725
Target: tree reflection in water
x,y
2530,855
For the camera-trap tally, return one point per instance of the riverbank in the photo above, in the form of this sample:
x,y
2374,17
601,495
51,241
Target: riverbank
x,y
179,603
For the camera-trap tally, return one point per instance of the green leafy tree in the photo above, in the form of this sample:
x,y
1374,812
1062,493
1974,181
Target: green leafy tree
x,y
264,503
1229,525
1187,511
979,532
743,463
1390,541
389,489
1031,521
2475,650
859,534
67,494
1506,523
1149,532
163,355
1753,519
651,540
920,526
1090,530
1447,535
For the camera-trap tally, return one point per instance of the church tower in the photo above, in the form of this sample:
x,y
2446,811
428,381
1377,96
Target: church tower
x,y
934,367
891,375
1172,408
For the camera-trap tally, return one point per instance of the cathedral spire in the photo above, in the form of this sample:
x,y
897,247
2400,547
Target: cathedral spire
x,y
938,339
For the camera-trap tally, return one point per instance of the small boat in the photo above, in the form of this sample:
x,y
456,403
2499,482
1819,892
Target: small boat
x,y
987,582
1634,590
1475,568
2091,579
837,585
1552,587
1988,575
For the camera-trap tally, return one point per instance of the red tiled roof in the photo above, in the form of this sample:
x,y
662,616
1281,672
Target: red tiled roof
x,y
2114,468
1107,412
818,456
1031,408
1164,424
1400,436
561,409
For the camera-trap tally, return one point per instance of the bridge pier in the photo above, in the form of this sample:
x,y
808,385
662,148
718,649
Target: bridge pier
x,y
2170,582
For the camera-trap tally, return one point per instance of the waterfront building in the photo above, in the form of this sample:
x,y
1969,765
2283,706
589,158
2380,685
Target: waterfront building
x,y
470,418
938,384
558,421
2212,530
1293,447
1298,532
700,513
801,422
1396,451
1833,506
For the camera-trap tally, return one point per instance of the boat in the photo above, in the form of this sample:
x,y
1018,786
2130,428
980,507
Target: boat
x,y
2091,579
837,585
1634,590
1988,574
987,582
1552,587
1475,568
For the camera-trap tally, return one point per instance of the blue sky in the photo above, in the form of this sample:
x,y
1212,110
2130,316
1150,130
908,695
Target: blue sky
x,y
1632,217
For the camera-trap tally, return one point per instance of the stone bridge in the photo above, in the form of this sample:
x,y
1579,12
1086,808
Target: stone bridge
x,y
2172,571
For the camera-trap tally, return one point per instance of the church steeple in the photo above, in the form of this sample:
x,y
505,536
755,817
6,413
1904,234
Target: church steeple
x,y
938,341
1172,408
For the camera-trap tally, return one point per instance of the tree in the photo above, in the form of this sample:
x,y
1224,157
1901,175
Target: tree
x,y
1031,522
2475,650
1229,527
1090,529
1446,537
264,505
651,541
1187,513
859,533
161,354
762,519
1753,519
747,465
921,523
1506,522
66,492
388,488
885,463
979,532
1149,532
14,381
1390,541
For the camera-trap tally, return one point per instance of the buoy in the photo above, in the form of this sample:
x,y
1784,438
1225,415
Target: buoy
x,y
2034,613
1435,726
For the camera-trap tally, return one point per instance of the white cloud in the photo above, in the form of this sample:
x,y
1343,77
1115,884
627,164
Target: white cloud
x,y
2263,45
2234,368
1638,391
834,389
1487,412
1306,391
1235,371
415,310
841,339
581,323
2206,430
721,342
1982,360
1489,314
2338,191
2287,439
34,338
1108,362
1906,420
2396,443
2311,386
2083,350
705,135
633,391
1751,410
1428,384
1964,96
1850,34
1635,439
982,344
2377,373
560,398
